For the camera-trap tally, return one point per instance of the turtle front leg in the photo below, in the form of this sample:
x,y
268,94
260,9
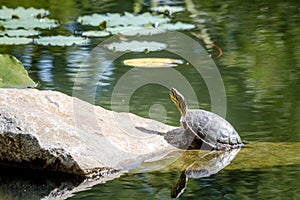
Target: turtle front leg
x,y
183,123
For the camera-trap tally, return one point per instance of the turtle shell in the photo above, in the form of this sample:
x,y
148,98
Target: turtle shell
x,y
212,128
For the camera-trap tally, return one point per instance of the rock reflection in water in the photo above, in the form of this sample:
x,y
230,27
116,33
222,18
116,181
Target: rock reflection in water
x,y
33,184
28,184
199,164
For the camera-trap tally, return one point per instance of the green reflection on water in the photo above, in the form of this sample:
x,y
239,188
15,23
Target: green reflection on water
x,y
270,183
260,68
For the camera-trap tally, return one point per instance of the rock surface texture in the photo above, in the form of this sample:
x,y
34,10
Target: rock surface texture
x,y
50,130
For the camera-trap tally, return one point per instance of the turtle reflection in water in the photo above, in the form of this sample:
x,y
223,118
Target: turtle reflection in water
x,y
199,166
208,127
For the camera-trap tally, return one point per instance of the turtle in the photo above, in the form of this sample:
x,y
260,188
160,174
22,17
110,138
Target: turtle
x,y
209,127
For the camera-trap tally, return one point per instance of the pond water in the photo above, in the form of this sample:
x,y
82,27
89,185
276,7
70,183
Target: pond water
x,y
259,67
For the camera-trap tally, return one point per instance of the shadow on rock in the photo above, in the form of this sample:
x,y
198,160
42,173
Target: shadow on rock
x,y
179,138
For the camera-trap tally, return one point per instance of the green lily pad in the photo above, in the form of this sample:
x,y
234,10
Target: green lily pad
x,y
177,26
140,20
136,46
61,40
20,12
135,30
169,9
95,33
30,23
15,40
128,19
13,73
19,33
97,19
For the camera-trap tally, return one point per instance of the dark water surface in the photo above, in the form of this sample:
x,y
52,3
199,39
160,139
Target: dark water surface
x,y
260,69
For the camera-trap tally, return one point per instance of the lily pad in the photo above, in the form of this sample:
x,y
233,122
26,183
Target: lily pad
x,y
152,62
30,23
61,40
19,33
95,19
135,30
128,19
169,9
136,46
95,33
177,26
13,73
15,40
20,12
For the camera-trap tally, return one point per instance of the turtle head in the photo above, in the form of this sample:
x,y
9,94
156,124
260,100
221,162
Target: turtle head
x,y
179,101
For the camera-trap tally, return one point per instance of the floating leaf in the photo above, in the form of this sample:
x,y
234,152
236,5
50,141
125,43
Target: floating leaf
x,y
135,30
15,40
169,9
13,73
61,40
95,33
177,26
30,23
140,20
19,33
122,29
152,62
20,12
128,19
136,46
96,19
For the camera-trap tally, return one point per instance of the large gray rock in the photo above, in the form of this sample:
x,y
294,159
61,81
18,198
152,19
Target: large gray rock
x,y
50,130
